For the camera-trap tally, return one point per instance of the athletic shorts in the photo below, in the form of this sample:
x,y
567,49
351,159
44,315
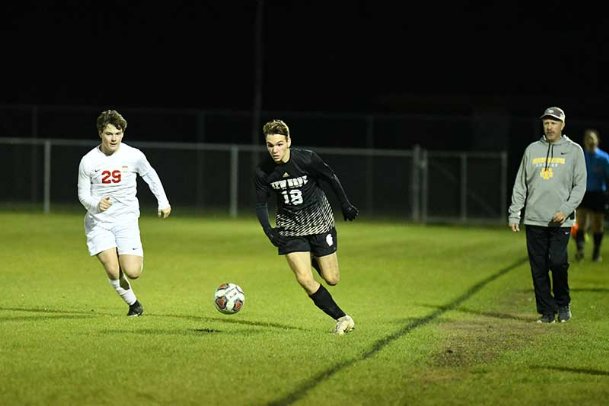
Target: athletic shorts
x,y
124,236
594,201
318,244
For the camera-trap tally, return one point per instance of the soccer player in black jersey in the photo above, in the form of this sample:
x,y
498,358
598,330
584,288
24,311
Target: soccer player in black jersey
x,y
305,232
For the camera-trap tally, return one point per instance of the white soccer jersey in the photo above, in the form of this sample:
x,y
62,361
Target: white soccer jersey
x,y
115,175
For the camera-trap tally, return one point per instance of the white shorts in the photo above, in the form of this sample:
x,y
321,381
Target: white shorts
x,y
123,235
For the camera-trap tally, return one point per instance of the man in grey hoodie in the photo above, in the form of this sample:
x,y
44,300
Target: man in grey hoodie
x,y
549,185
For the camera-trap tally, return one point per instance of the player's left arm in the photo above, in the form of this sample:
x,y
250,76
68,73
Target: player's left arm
x,y
151,177
606,169
327,174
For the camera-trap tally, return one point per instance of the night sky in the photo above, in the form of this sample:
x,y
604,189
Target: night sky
x,y
333,56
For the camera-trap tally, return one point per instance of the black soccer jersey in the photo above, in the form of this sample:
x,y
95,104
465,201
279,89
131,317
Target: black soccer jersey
x,y
302,206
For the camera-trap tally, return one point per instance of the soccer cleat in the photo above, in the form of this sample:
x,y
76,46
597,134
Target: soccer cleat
x,y
136,309
546,319
564,313
579,255
344,325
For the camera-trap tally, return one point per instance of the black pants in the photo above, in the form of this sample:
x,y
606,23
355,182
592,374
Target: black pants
x,y
547,248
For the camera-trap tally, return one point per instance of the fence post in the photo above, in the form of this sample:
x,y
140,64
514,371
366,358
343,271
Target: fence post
x,y
503,204
463,187
47,177
424,185
370,164
234,179
416,183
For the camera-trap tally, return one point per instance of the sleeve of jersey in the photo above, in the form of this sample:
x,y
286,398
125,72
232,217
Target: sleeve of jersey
x,y
151,177
84,189
606,169
519,192
262,195
327,175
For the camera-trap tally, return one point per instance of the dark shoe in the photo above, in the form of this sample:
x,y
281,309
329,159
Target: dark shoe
x,y
546,319
135,310
597,258
564,313
579,255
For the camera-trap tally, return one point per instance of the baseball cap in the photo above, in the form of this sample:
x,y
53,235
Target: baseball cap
x,y
555,112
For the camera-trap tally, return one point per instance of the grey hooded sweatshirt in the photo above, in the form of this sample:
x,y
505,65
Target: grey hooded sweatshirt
x,y
551,178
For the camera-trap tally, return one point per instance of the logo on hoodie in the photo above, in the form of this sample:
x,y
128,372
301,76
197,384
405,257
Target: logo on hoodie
x,y
546,173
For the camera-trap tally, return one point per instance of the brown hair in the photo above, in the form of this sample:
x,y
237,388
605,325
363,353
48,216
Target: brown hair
x,y
276,127
111,117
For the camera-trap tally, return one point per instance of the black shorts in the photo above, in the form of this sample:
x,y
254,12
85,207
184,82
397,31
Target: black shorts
x,y
318,244
594,201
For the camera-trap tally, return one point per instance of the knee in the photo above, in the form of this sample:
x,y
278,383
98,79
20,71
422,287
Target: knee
x,y
558,263
133,272
332,280
113,271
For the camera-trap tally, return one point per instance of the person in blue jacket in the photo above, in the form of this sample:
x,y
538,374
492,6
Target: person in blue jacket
x,y
591,211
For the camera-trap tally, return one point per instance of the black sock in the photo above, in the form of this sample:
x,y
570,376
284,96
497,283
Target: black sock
x,y
579,240
598,238
323,299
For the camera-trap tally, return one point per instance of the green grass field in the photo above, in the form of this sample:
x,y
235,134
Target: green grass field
x,y
444,316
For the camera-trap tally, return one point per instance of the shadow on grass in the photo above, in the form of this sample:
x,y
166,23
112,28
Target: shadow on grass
x,y
165,332
54,314
590,290
586,290
262,326
43,318
494,315
184,332
574,370
230,320
299,392
47,314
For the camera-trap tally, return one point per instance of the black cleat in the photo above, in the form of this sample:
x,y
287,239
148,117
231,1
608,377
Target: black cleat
x,y
136,309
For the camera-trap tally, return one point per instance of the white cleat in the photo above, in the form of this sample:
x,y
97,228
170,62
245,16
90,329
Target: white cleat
x,y
344,325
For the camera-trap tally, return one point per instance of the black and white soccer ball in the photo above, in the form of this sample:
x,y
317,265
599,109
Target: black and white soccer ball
x,y
229,298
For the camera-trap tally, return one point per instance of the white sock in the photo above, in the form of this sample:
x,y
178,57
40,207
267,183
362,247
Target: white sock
x,y
126,294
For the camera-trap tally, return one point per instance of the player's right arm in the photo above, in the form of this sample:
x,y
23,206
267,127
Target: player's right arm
x,y
92,203
84,188
262,212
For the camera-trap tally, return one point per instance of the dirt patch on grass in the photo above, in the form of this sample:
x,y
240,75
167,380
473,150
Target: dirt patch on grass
x,y
479,341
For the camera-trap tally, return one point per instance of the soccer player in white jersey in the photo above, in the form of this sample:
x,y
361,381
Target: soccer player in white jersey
x,y
305,231
107,186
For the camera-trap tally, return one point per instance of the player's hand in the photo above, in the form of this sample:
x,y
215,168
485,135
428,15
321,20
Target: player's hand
x,y
276,239
515,227
165,212
104,204
350,212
